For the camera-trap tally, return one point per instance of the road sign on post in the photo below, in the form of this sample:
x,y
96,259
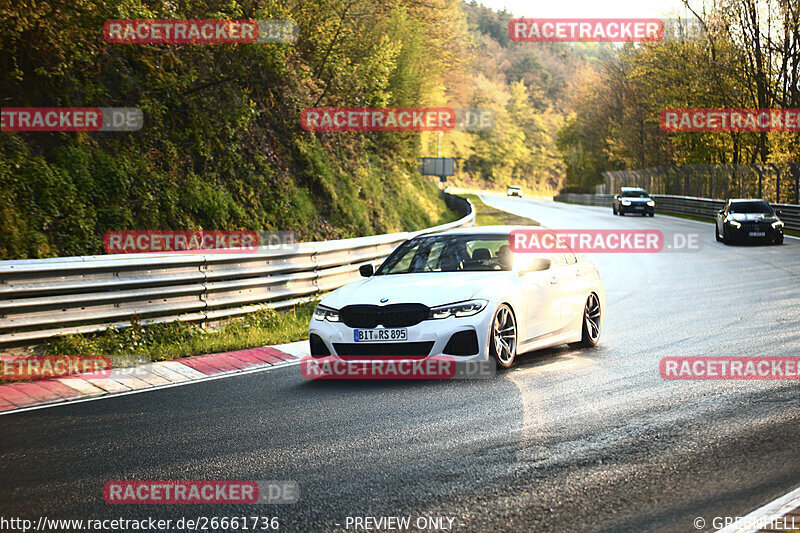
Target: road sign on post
x,y
438,166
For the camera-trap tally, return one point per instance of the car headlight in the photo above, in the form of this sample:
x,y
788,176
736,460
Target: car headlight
x,y
625,202
735,224
326,313
458,309
777,224
651,203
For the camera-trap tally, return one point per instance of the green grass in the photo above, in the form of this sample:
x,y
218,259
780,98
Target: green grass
x,y
489,216
163,342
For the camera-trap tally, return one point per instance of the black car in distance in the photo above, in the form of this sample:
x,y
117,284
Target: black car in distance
x,y
633,200
743,220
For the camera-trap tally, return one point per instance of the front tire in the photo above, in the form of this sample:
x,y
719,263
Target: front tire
x,y
503,337
779,240
590,330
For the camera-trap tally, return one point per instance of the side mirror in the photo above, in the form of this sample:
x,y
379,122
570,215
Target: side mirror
x,y
537,265
779,212
616,197
721,211
366,270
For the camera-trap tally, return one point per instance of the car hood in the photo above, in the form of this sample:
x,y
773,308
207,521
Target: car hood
x,y
752,217
430,289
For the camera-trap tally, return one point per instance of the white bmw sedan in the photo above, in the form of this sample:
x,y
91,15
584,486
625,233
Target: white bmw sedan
x,y
462,293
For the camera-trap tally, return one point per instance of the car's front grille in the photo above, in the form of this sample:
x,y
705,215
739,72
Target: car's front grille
x,y
390,316
398,349
755,226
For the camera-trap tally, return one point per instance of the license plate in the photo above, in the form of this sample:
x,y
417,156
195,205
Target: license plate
x,y
756,234
639,207
380,335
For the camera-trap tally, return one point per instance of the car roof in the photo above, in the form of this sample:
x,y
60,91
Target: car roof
x,y
631,189
744,200
514,187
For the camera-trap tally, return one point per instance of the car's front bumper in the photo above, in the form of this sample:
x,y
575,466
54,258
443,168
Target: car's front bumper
x,y
437,332
743,234
636,209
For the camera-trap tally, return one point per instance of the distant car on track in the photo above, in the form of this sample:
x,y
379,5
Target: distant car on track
x,y
743,220
514,190
633,200
462,293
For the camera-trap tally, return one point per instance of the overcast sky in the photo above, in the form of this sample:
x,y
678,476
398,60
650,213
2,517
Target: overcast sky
x,y
591,8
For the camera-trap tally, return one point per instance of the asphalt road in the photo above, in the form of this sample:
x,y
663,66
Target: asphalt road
x,y
590,440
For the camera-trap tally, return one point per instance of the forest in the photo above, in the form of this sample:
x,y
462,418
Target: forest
x,y
222,146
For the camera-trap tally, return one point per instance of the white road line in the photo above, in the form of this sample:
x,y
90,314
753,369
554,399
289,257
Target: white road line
x,y
169,386
297,348
759,518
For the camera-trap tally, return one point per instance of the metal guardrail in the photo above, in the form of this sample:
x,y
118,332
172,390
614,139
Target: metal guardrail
x,y
684,205
602,200
46,298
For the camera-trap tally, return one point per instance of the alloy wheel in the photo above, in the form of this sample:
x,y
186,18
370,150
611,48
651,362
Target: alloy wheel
x,y
591,316
504,336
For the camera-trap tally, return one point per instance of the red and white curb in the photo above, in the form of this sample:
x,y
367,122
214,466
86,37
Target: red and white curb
x,y
782,514
16,397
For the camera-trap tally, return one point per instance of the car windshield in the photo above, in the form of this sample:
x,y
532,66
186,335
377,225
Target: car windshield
x,y
635,194
449,253
750,207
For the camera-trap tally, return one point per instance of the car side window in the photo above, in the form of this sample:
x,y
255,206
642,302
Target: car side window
x,y
435,252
